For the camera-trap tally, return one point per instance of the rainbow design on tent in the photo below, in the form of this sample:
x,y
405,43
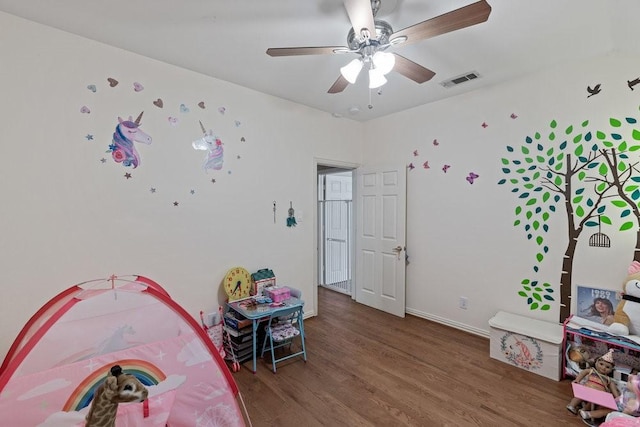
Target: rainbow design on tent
x,y
147,373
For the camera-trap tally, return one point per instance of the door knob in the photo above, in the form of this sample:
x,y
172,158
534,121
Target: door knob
x,y
398,250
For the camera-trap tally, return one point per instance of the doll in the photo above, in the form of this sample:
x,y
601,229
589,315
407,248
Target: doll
x,y
599,378
629,400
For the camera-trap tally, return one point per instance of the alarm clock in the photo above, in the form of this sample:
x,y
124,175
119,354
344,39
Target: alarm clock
x,y
237,283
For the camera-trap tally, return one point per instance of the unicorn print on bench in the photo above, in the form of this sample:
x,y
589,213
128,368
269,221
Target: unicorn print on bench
x,y
122,149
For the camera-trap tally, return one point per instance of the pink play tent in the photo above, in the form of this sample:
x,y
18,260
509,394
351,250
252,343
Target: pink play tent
x,y
65,350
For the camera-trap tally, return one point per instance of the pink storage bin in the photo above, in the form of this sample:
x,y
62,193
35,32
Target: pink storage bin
x,y
279,294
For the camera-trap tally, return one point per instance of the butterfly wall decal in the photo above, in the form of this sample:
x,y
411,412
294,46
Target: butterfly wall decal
x,y
426,165
445,168
472,176
415,153
411,166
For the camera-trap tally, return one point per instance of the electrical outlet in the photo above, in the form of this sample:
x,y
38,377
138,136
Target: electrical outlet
x,y
463,303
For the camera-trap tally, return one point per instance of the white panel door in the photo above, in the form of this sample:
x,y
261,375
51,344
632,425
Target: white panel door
x,y
380,238
337,244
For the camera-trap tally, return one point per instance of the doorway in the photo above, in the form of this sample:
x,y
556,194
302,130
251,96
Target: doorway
x,y
335,229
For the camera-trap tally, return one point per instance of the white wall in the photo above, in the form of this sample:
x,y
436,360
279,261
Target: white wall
x,y
66,217
460,237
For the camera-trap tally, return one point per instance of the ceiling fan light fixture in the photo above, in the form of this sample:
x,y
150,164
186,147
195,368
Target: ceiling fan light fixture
x,y
376,78
351,71
384,61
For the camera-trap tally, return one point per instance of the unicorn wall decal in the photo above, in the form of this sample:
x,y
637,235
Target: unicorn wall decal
x,y
213,145
122,149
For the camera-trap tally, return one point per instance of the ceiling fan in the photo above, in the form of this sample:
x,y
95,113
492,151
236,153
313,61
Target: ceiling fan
x,y
370,38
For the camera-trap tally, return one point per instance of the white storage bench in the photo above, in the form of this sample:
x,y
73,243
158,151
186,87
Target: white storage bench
x,y
531,344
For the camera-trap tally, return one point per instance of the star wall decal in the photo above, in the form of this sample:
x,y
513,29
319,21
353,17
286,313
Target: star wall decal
x,y
175,203
152,190
103,160
213,180
127,175
89,137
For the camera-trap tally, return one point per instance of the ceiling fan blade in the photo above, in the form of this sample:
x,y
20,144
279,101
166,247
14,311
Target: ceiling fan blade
x,y
466,16
361,16
294,51
339,85
411,70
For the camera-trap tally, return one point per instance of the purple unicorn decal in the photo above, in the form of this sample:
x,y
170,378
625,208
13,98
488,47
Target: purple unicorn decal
x,y
213,146
122,149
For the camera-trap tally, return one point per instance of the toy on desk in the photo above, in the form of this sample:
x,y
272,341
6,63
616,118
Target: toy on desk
x,y
248,303
598,378
626,319
263,300
278,294
237,283
262,279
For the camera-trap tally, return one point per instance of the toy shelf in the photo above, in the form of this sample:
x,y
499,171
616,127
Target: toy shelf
x,y
626,351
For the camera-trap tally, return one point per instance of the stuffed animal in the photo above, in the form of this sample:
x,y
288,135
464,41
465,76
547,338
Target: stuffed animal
x,y
581,356
117,388
626,320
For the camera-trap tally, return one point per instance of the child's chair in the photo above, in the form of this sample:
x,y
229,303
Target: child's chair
x,y
283,327
295,293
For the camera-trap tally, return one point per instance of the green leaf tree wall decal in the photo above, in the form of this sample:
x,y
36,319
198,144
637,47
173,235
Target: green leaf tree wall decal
x,y
548,174
616,170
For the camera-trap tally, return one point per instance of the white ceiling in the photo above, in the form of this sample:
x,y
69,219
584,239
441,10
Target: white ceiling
x,y
227,39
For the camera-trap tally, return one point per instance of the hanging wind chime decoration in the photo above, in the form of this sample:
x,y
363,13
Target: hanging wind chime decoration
x,y
600,240
291,219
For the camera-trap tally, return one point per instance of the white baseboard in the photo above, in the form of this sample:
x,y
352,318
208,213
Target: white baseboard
x,y
448,322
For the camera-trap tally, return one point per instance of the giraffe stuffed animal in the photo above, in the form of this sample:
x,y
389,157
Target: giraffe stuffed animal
x,y
117,388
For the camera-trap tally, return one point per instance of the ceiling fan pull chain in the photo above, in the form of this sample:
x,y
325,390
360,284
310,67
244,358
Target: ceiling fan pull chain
x,y
370,104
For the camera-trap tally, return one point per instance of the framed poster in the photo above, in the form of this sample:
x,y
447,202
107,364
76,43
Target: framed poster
x,y
596,304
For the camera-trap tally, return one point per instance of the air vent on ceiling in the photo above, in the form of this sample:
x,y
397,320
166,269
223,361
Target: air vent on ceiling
x,y
460,79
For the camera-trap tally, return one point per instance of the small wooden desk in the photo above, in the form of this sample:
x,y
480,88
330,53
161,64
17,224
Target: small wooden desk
x,y
257,313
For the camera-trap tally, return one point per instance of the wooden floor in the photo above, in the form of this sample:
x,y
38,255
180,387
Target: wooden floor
x,y
367,368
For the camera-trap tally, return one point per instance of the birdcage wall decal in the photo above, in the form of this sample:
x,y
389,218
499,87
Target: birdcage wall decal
x,y
599,239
